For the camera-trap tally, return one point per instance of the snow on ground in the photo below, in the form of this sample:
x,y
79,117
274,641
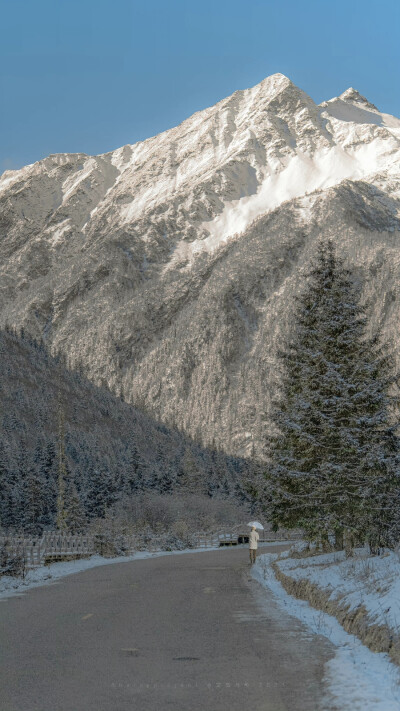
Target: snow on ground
x,y
356,678
46,574
372,581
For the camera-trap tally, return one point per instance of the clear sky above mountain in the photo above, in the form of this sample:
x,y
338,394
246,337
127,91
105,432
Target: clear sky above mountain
x,y
92,75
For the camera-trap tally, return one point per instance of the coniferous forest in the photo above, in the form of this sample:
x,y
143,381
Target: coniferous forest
x,y
70,451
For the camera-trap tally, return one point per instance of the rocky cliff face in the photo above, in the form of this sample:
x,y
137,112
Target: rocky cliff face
x,y
167,268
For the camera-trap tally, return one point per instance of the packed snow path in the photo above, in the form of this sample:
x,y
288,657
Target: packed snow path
x,y
185,632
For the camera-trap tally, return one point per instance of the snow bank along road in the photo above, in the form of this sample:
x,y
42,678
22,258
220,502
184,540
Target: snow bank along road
x,y
184,632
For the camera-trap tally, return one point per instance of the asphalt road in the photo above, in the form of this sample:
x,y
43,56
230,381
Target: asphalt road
x,y
187,632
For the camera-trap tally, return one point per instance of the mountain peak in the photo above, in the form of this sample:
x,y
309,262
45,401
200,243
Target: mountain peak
x,y
353,96
275,83
277,78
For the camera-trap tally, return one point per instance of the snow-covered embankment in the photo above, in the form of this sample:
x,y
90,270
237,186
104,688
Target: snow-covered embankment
x,y
362,592
355,604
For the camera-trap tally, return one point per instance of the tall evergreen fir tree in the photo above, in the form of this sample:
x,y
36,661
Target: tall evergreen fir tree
x,y
34,503
191,479
62,470
6,509
101,492
75,516
49,473
133,479
334,457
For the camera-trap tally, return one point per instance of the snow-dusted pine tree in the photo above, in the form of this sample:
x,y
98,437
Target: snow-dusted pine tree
x,y
133,476
334,458
75,517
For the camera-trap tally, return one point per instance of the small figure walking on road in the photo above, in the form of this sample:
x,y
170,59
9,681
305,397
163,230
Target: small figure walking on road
x,y
253,544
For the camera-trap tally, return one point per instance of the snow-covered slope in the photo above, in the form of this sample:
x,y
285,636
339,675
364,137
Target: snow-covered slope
x,y
166,267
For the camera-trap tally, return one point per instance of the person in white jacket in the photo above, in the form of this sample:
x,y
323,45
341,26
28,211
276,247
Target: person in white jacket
x,y
253,544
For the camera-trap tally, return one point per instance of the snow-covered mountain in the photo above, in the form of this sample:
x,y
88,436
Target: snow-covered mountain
x,y
166,268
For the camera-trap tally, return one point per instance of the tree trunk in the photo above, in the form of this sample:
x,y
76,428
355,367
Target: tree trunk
x,y
339,539
348,542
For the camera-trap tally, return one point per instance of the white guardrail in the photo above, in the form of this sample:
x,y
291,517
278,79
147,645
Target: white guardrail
x,y
52,545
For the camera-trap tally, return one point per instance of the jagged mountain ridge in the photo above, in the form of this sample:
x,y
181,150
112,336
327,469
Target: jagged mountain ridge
x,y
167,268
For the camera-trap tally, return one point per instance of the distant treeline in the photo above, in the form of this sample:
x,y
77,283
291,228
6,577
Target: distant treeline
x,y
70,450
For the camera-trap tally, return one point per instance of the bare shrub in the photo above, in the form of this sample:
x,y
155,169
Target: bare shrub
x,y
109,539
173,518
161,513
12,563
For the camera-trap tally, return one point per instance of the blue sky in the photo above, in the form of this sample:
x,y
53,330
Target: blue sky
x,y
92,75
